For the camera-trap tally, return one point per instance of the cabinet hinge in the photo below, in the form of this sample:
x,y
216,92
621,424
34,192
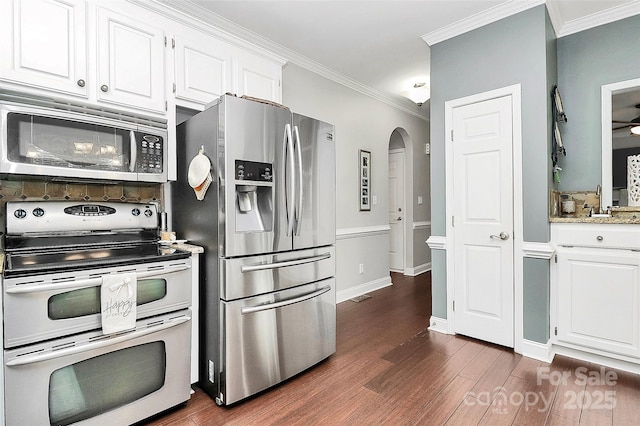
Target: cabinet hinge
x,y
555,330
453,221
174,88
451,135
173,43
454,306
555,258
166,106
165,41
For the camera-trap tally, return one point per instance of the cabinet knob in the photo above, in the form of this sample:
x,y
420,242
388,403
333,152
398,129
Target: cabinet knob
x,y
104,88
81,83
599,238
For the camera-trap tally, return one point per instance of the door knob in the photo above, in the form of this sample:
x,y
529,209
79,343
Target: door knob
x,y
399,218
503,236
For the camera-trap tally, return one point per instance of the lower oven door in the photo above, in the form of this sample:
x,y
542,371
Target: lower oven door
x,y
272,337
98,380
38,308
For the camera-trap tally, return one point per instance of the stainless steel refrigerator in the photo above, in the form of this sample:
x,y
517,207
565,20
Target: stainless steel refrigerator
x,y
267,224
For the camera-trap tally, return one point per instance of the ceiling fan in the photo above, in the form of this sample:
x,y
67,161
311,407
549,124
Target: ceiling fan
x,y
633,124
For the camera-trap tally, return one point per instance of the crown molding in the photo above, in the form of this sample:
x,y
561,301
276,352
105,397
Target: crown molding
x,y
190,14
478,20
607,16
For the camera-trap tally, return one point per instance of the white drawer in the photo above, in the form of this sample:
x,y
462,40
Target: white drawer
x,y
596,235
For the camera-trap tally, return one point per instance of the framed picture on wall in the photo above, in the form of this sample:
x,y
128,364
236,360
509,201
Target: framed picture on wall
x,y
364,166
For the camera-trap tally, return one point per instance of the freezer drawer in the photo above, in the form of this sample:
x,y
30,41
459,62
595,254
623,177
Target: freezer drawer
x,y
270,338
249,276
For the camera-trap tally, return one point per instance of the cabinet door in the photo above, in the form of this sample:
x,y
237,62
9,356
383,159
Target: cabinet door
x,y
43,44
202,68
130,62
258,77
599,299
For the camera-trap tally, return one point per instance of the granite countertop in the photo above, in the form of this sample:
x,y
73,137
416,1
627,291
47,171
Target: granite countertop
x,y
187,247
600,220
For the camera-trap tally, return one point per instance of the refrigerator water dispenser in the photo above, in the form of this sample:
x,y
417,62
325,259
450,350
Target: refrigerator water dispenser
x,y
254,195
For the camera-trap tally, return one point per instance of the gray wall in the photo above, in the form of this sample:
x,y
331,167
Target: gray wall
x,y
511,51
362,122
587,60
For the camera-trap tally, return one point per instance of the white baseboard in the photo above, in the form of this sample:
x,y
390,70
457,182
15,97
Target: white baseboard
x,y
540,351
361,289
420,269
439,324
632,365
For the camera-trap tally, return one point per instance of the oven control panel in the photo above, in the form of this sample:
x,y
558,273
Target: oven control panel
x,y
63,216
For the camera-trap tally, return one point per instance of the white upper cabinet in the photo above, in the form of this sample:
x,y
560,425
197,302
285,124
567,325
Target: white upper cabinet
x,y
44,44
258,77
130,61
202,68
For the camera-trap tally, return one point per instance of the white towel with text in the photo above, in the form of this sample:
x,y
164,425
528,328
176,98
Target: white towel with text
x,y
118,297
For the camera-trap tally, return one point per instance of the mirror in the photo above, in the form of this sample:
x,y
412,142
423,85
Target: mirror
x,y
619,101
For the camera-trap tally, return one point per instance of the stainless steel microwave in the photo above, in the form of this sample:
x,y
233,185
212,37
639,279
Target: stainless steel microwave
x,y
56,143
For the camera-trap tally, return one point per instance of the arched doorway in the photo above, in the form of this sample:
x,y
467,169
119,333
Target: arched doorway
x,y
400,213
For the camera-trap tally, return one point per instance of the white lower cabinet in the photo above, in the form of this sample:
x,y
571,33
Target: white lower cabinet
x,y
596,289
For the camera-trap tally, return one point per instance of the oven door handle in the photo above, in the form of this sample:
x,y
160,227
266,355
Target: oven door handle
x,y
31,359
251,309
274,265
88,282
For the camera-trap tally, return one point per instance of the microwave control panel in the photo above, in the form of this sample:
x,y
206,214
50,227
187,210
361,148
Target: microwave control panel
x,y
150,153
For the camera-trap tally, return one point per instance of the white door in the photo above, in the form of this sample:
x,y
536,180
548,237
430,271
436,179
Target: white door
x,y
130,62
43,44
396,210
483,220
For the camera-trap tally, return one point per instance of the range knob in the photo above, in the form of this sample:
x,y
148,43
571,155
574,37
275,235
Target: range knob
x,y
135,212
38,212
148,213
20,213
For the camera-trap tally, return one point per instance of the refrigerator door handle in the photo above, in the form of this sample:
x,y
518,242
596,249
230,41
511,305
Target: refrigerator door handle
x,y
292,165
283,264
298,217
258,308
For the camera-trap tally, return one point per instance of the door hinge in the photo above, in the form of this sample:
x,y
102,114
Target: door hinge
x,y
454,306
555,330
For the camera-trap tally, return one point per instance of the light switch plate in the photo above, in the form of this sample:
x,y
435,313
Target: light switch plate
x,y
419,199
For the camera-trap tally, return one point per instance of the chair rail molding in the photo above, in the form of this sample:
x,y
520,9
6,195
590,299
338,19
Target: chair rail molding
x,y
538,250
436,242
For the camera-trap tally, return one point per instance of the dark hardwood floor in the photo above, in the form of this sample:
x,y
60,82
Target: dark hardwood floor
x,y
389,369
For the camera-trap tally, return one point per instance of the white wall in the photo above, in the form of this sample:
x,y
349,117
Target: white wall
x,y
362,122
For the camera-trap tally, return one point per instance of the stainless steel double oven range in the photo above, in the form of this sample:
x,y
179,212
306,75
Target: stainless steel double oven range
x,y
59,366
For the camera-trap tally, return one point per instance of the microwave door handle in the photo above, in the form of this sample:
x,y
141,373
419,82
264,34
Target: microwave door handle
x,y
134,151
258,308
289,152
31,359
296,134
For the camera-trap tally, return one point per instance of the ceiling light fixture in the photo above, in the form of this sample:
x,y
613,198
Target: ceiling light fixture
x,y
635,130
420,93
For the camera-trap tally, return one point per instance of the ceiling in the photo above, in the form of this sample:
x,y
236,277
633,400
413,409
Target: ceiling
x,y
382,47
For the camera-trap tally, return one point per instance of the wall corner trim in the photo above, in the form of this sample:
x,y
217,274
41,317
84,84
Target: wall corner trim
x,y
436,242
439,325
540,351
538,250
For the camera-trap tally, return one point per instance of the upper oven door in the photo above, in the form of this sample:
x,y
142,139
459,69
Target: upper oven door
x,y
38,141
43,307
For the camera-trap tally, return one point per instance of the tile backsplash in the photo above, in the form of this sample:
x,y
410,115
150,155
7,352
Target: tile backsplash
x,y
583,201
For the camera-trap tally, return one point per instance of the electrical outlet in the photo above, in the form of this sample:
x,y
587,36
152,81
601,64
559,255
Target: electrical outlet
x,y
427,148
361,268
